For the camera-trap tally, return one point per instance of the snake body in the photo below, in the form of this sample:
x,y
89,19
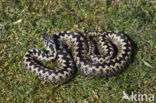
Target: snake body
x,y
105,65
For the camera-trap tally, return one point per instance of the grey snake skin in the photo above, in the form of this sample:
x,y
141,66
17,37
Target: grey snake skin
x,y
105,64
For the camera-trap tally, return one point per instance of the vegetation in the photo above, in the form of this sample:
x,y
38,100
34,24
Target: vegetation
x,y
23,21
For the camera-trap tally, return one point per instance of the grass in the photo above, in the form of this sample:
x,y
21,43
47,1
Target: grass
x,y
23,22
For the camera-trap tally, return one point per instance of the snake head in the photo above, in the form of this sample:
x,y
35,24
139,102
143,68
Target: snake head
x,y
49,43
45,36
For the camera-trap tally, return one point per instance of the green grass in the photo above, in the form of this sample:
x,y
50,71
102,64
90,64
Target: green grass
x,y
137,19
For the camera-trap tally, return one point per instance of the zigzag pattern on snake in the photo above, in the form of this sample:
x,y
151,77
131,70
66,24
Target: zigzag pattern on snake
x,y
106,64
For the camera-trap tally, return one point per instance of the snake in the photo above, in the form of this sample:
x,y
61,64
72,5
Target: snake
x,y
114,55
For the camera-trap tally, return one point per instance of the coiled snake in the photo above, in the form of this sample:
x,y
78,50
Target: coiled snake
x,y
109,62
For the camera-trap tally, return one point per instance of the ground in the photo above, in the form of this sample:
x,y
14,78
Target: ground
x,y
23,22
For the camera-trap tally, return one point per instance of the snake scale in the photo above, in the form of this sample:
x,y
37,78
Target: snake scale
x,y
107,63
